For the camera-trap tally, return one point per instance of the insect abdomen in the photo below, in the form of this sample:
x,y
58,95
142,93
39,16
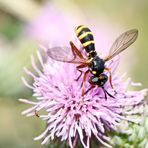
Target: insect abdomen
x,y
85,36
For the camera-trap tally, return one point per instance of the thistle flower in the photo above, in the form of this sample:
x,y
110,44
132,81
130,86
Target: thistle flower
x,y
57,92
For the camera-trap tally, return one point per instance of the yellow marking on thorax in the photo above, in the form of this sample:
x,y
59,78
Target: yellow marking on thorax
x,y
88,61
87,43
84,35
92,51
94,72
79,29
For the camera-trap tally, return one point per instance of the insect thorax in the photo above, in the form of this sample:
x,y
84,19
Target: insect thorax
x,y
96,66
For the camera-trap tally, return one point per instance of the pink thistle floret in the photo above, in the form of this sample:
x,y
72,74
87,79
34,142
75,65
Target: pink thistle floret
x,y
68,117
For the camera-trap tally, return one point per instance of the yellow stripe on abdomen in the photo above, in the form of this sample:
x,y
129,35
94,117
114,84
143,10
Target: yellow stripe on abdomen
x,y
88,43
84,35
80,29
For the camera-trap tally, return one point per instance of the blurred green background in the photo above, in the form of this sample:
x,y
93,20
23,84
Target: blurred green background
x,y
19,40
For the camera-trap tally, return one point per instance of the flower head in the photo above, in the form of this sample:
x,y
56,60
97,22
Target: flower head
x,y
68,117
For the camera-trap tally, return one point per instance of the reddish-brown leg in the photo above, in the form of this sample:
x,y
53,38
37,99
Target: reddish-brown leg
x,y
84,80
78,68
76,51
110,77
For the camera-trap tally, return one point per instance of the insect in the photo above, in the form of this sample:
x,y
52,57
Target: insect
x,y
96,65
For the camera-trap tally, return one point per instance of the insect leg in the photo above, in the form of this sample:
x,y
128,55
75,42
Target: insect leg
x,y
110,76
79,75
84,80
89,89
78,68
106,92
75,50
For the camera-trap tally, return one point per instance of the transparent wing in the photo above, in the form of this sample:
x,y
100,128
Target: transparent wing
x,y
64,54
122,42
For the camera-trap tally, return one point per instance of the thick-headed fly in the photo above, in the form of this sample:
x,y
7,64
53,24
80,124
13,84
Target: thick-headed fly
x,y
96,65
